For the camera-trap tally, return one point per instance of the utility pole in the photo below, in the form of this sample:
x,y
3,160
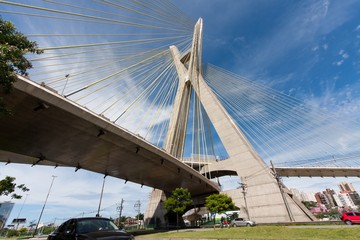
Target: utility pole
x,y
137,206
120,208
244,191
37,225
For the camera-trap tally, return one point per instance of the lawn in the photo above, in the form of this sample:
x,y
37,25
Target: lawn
x,y
266,232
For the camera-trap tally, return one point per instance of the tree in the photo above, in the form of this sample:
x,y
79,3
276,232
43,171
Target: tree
x,y
178,201
219,203
309,204
140,216
8,186
13,46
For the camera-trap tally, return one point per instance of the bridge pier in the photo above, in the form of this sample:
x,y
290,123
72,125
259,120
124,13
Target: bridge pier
x,y
155,215
155,212
265,200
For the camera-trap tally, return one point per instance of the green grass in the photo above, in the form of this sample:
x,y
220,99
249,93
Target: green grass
x,y
266,232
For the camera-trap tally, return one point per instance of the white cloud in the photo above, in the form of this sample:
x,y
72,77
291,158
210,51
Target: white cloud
x,y
315,48
343,54
338,63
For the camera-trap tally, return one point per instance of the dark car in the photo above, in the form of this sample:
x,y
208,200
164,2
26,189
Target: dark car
x,y
237,222
351,217
89,228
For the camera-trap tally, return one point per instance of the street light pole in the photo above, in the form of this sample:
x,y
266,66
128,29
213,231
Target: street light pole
x,y
101,195
37,225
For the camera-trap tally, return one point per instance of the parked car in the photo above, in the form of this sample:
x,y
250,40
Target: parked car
x,y
237,222
89,228
350,217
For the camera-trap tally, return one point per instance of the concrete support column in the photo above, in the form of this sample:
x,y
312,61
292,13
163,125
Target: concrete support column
x,y
175,137
155,212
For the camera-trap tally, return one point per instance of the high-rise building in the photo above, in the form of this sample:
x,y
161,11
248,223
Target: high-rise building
x,y
308,197
355,197
5,210
347,201
321,198
338,200
346,187
303,196
329,195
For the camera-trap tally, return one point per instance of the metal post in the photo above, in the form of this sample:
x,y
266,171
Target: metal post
x,y
102,191
37,225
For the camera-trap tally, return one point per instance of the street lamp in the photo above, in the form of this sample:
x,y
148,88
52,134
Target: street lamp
x,y
101,195
37,225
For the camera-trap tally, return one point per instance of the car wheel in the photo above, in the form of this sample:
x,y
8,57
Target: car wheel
x,y
347,222
248,224
234,225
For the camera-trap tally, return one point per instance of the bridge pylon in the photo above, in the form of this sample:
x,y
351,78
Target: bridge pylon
x,y
266,199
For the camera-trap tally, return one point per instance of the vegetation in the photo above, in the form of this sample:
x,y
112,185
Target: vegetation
x,y
179,200
8,187
13,46
219,203
23,233
12,233
139,216
267,232
309,204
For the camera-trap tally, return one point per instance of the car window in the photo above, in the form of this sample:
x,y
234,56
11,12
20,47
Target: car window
x,y
349,214
71,227
357,214
106,225
63,227
94,225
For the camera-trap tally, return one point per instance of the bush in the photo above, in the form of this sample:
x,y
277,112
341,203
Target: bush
x,y
12,233
23,231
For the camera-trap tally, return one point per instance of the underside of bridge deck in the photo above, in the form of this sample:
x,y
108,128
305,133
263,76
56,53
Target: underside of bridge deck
x,y
48,129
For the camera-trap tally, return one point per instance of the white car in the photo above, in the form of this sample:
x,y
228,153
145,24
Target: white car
x,y
237,222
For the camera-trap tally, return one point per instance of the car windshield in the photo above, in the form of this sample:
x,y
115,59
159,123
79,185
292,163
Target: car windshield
x,y
94,225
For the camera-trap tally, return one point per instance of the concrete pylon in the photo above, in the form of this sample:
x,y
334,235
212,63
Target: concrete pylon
x,y
265,199
175,137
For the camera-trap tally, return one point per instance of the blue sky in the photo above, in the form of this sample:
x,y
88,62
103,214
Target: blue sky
x,y
308,49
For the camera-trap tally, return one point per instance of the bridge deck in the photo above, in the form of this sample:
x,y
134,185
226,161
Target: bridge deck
x,y
284,171
48,129
318,171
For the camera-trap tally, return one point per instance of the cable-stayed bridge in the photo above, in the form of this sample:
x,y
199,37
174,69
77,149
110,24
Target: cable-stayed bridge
x,y
121,90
